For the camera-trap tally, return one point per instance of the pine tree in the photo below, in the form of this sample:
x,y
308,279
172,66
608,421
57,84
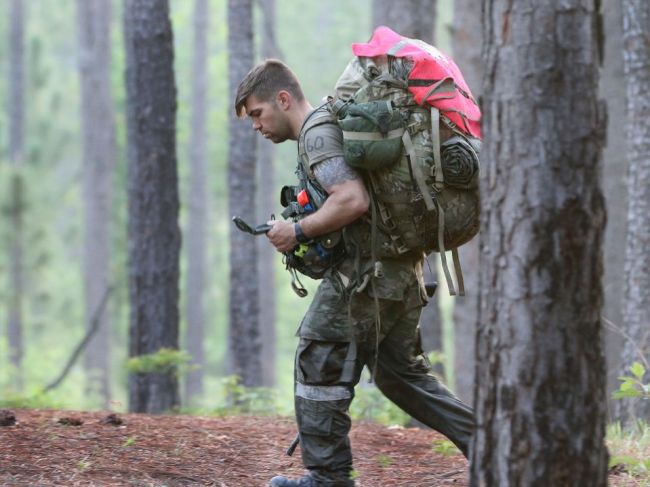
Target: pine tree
x,y
636,58
244,332
197,197
99,153
154,236
540,402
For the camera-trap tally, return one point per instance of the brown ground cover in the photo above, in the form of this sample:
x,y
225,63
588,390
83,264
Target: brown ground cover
x,y
68,448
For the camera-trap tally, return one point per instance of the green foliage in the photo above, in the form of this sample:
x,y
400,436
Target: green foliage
x,y
384,461
130,441
164,361
633,386
35,401
239,399
370,405
445,448
630,450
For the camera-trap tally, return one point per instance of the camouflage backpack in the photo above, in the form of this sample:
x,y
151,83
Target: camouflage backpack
x,y
416,138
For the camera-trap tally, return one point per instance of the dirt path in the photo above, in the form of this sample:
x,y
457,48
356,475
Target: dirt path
x,y
188,450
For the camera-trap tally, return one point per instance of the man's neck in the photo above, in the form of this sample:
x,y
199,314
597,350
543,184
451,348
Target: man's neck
x,y
299,117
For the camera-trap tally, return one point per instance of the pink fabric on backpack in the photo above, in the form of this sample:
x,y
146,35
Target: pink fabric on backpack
x,y
456,103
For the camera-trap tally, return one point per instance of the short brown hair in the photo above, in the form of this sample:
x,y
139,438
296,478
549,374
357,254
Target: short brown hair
x,y
264,81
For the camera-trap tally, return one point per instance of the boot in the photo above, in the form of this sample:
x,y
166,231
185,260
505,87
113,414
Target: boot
x,y
281,481
307,481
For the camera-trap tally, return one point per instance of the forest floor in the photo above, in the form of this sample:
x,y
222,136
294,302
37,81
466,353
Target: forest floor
x,y
68,448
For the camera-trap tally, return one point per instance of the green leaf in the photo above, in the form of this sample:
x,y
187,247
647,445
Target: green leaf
x,y
621,394
638,370
628,385
130,441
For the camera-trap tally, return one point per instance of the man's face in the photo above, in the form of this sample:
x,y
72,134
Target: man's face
x,y
268,119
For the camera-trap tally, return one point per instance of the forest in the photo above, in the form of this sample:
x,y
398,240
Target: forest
x,y
133,307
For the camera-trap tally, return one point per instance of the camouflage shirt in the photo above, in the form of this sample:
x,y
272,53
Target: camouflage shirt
x,y
340,310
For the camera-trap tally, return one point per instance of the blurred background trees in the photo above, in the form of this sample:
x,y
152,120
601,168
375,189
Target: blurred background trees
x,y
99,158
67,182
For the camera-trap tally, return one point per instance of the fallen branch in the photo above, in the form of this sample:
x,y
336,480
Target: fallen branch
x,y
617,329
94,326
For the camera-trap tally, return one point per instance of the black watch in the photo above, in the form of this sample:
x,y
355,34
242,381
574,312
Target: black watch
x,y
300,236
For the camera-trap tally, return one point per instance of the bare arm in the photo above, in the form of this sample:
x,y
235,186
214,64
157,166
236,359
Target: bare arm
x,y
348,199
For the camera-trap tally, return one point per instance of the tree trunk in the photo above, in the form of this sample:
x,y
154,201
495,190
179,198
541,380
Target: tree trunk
x,y
16,122
431,319
267,199
467,45
410,18
614,186
154,236
541,375
196,228
244,336
99,153
636,58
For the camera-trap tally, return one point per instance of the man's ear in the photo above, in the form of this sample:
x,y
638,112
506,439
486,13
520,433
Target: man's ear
x,y
283,99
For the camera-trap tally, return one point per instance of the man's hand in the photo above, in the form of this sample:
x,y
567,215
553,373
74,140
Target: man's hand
x,y
282,235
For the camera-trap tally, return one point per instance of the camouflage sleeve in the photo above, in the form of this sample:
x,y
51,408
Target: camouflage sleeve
x,y
333,171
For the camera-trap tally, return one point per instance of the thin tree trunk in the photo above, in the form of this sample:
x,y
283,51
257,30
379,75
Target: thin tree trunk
x,y
614,186
467,44
411,18
154,236
16,117
267,199
636,57
197,198
431,319
99,153
244,336
540,401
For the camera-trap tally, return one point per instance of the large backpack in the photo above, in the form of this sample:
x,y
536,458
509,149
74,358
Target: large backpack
x,y
409,121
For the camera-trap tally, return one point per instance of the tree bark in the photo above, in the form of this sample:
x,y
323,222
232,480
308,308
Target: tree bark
x,y
410,18
540,404
636,58
431,319
16,122
267,199
467,45
244,331
154,236
99,153
612,80
197,198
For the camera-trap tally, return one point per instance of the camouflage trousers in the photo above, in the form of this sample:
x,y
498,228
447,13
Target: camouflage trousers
x,y
338,337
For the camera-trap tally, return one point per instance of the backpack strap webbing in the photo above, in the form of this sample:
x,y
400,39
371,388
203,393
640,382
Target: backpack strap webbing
x,y
377,273
454,255
458,271
441,249
417,171
435,146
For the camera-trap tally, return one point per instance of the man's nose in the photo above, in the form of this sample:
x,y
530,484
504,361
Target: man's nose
x,y
256,125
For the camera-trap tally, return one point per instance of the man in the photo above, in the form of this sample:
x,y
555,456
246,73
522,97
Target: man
x,y
360,315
